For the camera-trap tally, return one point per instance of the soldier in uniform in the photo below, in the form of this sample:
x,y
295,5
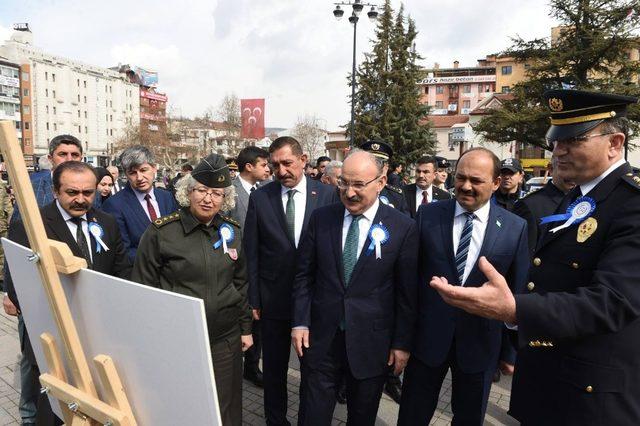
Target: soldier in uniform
x,y
233,167
6,209
390,195
198,252
578,325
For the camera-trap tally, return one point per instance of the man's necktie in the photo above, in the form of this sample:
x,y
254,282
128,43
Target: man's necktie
x,y
82,240
253,188
152,211
425,197
291,214
350,252
463,245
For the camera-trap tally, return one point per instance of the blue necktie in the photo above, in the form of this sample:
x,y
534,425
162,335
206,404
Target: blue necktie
x,y
463,245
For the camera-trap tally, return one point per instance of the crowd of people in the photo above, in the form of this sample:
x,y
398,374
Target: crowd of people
x,y
372,278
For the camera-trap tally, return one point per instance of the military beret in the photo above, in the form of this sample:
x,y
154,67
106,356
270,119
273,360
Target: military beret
x,y
575,112
213,172
378,148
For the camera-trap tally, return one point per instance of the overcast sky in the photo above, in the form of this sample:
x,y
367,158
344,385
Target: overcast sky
x,y
293,53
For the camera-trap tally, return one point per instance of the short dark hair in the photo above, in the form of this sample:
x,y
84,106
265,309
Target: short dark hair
x,y
428,160
250,155
187,167
66,140
494,158
321,159
283,141
71,166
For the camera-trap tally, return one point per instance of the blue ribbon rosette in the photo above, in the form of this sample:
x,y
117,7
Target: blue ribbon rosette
x,y
227,236
96,230
379,235
578,211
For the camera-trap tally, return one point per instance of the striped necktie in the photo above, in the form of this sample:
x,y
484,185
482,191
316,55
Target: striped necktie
x,y
350,252
463,245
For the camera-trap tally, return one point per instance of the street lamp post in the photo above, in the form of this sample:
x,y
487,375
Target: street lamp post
x,y
338,12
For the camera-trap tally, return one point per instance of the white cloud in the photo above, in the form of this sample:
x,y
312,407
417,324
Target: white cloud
x,y
291,52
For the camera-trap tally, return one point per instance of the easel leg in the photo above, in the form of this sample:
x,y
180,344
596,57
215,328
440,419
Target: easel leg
x,y
54,364
114,391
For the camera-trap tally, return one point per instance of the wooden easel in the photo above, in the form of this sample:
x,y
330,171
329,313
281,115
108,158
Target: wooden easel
x,y
80,403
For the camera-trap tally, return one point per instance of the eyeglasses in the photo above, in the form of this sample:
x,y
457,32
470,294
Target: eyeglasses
x,y
357,186
202,193
575,139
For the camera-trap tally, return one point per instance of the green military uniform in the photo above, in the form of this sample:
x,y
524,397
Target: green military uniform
x,y
180,254
6,209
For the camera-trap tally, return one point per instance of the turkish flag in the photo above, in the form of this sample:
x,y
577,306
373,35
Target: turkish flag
x,y
252,111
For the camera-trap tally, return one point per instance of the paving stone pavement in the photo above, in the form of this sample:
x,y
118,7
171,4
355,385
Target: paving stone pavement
x,y
252,395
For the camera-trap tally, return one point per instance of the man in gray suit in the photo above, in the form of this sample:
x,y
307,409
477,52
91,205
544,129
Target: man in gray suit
x,y
253,167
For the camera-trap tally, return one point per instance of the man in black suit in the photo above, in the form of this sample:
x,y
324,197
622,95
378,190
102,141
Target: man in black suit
x,y
423,191
579,320
277,219
354,297
88,232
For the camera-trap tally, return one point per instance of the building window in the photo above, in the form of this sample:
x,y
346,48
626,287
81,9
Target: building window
x,y
85,99
111,118
17,125
26,125
85,83
439,90
78,113
506,89
85,129
111,132
78,98
54,94
107,132
53,77
105,88
466,88
110,91
466,104
27,141
55,111
111,104
78,81
46,92
85,114
46,108
439,105
46,76
79,129
47,125
506,70
106,103
55,126
25,76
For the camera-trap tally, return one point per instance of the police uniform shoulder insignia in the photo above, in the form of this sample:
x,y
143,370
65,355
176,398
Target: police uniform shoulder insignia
x,y
230,220
394,188
161,221
632,180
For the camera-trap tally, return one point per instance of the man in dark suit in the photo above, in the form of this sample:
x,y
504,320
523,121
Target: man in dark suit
x,y
423,191
253,168
579,322
453,235
118,184
354,297
277,219
139,203
89,233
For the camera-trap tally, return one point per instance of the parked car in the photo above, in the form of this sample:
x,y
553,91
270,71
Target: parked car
x,y
535,183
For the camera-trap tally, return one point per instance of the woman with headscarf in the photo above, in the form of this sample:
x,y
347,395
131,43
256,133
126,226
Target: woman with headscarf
x,y
198,252
105,184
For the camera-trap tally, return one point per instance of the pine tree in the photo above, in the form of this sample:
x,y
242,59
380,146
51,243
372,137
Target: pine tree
x,y
591,52
387,98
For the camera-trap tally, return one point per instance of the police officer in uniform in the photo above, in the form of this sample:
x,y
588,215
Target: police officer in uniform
x,y
390,195
198,252
511,175
578,321
442,173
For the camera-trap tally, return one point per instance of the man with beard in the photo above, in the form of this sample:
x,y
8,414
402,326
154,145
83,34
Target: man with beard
x,y
423,191
277,219
73,220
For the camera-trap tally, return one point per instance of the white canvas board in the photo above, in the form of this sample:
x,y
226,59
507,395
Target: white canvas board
x,y
158,340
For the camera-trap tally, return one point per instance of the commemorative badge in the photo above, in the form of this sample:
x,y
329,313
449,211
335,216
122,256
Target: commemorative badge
x,y
96,230
576,213
227,235
587,229
379,235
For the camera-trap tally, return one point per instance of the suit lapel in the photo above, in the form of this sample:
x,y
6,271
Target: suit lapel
x,y
311,203
336,243
135,205
490,236
275,198
59,229
446,227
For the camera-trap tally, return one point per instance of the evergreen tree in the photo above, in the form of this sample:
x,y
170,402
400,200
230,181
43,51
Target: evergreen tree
x,y
387,97
591,52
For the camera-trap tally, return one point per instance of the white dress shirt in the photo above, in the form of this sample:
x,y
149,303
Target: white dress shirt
x,y
419,195
586,187
73,227
364,224
247,186
300,201
143,202
477,235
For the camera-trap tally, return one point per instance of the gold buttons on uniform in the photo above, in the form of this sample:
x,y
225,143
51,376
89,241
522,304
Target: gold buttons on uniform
x,y
531,286
537,261
575,265
589,389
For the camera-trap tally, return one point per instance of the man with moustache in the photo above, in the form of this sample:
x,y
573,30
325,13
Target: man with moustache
x,y
277,219
454,235
423,191
354,297
72,219
139,203
579,324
